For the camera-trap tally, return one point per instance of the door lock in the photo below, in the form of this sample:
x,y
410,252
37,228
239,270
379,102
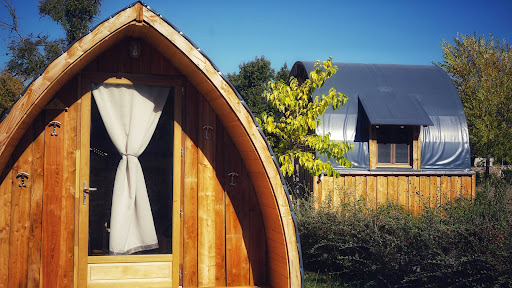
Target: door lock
x,y
86,191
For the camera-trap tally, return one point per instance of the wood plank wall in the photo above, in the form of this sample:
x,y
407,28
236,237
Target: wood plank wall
x,y
224,234
412,191
20,215
117,60
36,240
58,226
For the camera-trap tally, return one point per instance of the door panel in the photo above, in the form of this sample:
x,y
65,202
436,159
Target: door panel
x,y
161,168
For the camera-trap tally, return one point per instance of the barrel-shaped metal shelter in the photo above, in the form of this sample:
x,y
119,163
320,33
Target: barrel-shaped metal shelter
x,y
402,120
227,214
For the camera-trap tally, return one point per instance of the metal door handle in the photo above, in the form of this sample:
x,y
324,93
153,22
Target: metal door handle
x,y
86,191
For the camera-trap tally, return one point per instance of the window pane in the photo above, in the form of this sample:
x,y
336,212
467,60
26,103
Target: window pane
x,y
104,159
402,153
384,153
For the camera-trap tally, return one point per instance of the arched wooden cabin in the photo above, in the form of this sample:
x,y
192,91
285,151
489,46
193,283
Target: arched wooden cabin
x,y
409,135
220,211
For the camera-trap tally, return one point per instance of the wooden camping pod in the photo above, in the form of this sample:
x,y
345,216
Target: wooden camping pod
x,y
224,233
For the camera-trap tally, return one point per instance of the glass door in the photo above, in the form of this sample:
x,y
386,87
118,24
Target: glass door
x,y
99,266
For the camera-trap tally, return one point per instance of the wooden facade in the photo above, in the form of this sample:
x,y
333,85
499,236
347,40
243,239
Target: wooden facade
x,y
232,224
414,191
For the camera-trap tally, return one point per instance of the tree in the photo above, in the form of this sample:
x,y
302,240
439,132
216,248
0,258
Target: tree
x,y
291,135
75,16
10,88
29,54
482,72
251,82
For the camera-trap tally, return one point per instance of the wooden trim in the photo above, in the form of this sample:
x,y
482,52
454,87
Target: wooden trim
x,y
77,183
387,165
372,146
131,258
416,147
406,172
177,187
140,14
133,79
83,211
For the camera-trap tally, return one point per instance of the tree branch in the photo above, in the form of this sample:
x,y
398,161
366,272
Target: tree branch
x,y
12,27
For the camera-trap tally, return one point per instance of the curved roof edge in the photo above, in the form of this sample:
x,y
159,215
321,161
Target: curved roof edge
x,y
39,92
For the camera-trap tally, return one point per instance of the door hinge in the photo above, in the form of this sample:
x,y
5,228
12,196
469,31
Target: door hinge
x,y
180,276
181,152
181,213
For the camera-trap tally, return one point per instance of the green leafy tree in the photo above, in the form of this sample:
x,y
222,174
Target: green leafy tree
x,y
481,69
10,88
282,74
75,16
251,83
291,135
31,54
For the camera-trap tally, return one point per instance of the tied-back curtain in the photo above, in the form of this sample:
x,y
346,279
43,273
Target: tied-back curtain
x,y
130,114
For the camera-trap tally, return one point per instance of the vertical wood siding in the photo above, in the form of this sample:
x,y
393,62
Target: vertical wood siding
x,y
224,235
413,192
20,215
58,225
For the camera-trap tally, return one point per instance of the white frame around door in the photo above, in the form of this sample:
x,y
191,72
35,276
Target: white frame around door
x,y
127,270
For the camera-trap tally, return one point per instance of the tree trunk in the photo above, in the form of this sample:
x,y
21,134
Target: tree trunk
x,y
487,167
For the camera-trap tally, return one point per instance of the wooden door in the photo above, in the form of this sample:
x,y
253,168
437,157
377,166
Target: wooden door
x,y
162,159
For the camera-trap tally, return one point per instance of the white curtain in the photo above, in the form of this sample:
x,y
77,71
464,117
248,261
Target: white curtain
x,y
130,114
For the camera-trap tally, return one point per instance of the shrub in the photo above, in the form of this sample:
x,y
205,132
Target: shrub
x,y
507,175
464,243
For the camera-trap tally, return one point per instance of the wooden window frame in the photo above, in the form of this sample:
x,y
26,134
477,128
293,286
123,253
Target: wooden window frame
x,y
414,150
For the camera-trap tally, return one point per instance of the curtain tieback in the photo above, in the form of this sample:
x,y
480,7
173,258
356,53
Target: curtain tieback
x,y
126,154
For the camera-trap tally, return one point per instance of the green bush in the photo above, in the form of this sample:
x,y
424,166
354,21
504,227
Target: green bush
x,y
507,175
464,243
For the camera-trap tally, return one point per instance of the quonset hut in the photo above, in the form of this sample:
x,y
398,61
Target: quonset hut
x,y
409,135
186,189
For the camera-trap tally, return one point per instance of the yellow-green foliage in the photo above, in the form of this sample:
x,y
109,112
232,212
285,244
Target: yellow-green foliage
x,y
292,136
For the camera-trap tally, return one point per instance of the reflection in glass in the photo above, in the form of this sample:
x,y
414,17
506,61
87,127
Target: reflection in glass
x,y
402,153
384,153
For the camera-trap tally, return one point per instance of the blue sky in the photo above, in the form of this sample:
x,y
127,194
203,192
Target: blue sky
x,y
232,32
